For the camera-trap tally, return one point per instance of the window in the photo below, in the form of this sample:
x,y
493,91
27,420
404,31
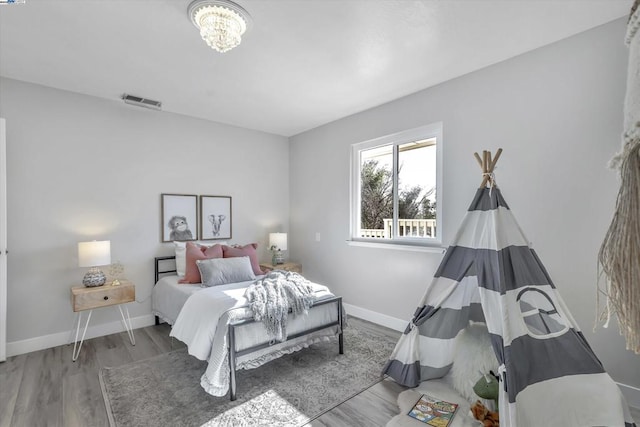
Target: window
x,y
540,314
396,188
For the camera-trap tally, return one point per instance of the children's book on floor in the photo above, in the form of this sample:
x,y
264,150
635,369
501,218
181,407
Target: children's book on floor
x,y
433,412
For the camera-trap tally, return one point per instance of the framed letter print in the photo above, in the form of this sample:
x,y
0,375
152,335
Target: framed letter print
x,y
215,217
179,217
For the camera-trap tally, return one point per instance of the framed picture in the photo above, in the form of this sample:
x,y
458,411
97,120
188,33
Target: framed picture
x,y
215,217
179,217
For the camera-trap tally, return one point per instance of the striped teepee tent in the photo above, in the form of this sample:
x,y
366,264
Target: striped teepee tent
x,y
549,375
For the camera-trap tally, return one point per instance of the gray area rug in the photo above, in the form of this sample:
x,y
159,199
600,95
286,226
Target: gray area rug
x,y
289,391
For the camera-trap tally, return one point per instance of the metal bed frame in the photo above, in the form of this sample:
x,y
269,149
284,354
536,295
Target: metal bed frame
x,y
234,353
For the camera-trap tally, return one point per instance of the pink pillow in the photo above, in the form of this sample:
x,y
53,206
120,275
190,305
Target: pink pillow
x,y
196,252
246,250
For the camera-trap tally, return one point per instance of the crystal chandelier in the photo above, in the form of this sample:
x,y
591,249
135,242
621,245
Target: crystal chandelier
x,y
221,22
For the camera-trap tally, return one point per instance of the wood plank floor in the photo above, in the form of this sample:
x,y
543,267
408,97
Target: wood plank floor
x,y
45,388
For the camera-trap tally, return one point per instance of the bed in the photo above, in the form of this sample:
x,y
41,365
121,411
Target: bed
x,y
217,325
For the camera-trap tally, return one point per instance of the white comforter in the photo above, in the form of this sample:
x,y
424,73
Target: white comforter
x,y
203,325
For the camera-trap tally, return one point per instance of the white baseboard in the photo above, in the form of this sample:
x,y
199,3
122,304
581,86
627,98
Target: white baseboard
x,y
47,341
632,394
375,317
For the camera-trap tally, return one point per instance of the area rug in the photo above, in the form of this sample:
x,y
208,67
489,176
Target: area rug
x,y
289,391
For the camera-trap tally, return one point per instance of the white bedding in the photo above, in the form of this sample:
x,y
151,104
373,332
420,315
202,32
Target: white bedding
x,y
168,297
200,318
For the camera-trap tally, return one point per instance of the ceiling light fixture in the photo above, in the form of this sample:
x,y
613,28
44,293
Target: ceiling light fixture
x,y
221,22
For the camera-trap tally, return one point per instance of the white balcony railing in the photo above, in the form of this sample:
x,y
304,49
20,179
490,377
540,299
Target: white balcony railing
x,y
406,228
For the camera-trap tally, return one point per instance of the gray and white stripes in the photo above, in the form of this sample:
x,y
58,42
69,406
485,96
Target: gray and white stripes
x,y
550,375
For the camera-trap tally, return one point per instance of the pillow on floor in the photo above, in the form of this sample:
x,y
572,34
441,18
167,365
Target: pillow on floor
x,y
473,354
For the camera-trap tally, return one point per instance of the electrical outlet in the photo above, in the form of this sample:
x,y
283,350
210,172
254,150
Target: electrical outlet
x,y
317,236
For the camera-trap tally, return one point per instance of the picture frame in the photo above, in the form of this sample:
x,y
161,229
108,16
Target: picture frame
x,y
179,217
215,217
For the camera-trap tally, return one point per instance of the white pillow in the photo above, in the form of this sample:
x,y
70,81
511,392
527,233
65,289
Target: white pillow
x,y
473,354
181,255
220,271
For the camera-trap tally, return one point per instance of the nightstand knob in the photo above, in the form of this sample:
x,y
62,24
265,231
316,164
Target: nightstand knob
x,y
106,297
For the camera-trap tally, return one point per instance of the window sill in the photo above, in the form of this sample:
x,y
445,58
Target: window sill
x,y
397,246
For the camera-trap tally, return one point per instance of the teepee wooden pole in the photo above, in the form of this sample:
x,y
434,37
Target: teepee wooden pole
x,y
485,177
487,164
495,159
478,159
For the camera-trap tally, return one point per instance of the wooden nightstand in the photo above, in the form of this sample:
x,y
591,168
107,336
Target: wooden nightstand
x,y
89,298
288,266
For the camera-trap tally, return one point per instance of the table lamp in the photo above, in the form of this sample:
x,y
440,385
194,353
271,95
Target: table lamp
x,y
94,254
277,243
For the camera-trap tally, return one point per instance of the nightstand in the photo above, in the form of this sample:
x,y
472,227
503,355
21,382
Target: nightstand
x,y
89,298
288,266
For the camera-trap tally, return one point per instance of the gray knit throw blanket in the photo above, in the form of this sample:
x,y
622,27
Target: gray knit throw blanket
x,y
271,297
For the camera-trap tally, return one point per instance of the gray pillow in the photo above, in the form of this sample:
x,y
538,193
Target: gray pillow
x,y
220,271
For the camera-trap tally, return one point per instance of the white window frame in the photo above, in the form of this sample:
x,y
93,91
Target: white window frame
x,y
433,130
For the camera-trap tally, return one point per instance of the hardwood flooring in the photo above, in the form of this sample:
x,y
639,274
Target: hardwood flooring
x,y
45,388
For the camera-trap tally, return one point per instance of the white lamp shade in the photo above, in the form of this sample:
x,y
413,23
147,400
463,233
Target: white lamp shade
x,y
95,253
279,240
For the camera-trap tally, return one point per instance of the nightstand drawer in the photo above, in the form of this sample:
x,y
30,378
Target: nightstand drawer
x,y
83,298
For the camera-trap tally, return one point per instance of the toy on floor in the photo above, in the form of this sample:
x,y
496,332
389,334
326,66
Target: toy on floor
x,y
487,388
484,415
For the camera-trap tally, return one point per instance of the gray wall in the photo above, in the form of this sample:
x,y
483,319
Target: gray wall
x,y
556,112
82,168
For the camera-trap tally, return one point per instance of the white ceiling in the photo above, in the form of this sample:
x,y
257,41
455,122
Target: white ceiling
x,y
304,63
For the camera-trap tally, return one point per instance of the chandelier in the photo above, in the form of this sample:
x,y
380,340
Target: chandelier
x,y
221,22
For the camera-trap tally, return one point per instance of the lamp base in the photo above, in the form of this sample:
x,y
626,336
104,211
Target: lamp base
x,y
278,258
94,277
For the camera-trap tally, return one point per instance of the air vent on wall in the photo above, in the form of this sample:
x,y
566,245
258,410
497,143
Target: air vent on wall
x,y
142,102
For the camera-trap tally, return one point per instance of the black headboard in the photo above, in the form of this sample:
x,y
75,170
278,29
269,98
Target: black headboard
x,y
161,262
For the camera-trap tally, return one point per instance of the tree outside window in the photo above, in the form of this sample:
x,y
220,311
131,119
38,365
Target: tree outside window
x,y
397,184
